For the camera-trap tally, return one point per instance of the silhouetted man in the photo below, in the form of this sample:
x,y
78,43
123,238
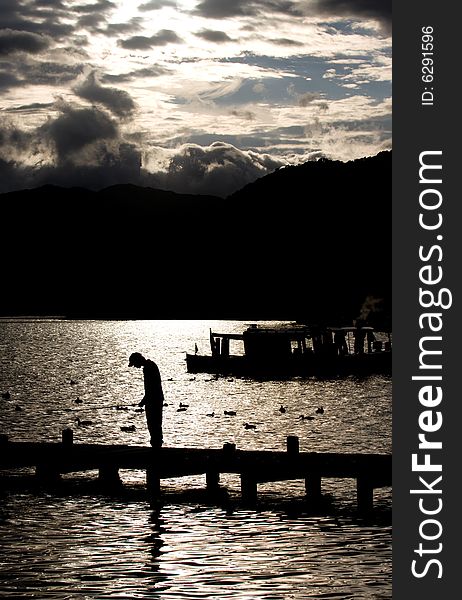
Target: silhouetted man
x,y
153,400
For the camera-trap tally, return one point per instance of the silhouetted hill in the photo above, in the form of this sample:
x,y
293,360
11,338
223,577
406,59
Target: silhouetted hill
x,y
308,240
326,228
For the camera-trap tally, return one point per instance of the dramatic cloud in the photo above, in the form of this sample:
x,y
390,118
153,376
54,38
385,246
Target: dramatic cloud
x,y
7,80
379,10
211,93
117,101
213,36
97,7
141,42
115,29
76,128
21,41
218,169
156,5
220,9
87,145
47,73
14,141
155,71
40,17
285,42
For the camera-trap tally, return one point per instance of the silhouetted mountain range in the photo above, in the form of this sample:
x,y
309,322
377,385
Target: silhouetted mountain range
x,y
305,241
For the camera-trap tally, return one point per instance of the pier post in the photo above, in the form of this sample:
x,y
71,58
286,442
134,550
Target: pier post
x,y
229,449
365,494
248,489
313,485
109,475
67,437
212,480
3,441
293,445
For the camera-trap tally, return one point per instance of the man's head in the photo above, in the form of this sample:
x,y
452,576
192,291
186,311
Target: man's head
x,y
136,360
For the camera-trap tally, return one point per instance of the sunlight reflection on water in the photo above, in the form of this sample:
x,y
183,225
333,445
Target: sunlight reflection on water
x,y
99,547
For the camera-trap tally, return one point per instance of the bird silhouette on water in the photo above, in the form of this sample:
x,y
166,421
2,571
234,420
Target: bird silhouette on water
x,y
128,428
81,423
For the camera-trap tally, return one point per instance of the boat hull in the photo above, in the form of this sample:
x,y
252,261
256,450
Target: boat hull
x,y
308,366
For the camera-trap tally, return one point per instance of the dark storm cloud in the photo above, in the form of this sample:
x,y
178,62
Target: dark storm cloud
x,y
76,128
164,37
219,9
21,41
137,42
80,146
48,73
213,36
94,16
40,17
117,101
13,139
96,7
8,80
379,10
114,29
91,21
218,169
156,5
141,42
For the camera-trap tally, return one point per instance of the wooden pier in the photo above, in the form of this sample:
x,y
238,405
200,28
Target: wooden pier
x,y
52,459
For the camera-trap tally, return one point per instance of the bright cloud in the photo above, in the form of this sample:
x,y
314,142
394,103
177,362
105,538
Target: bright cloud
x,y
191,88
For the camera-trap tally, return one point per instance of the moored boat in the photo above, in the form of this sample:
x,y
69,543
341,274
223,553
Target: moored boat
x,y
296,350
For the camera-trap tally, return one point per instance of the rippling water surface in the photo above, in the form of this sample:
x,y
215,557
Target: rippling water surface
x,y
92,545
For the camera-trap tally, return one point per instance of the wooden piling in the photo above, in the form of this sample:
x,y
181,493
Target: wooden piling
x,y
248,488
365,494
313,485
67,437
293,445
212,481
109,475
229,449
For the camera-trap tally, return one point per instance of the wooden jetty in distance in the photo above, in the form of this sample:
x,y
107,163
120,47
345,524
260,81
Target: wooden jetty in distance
x,y
51,459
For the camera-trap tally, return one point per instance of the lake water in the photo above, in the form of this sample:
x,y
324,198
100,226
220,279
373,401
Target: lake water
x,y
87,544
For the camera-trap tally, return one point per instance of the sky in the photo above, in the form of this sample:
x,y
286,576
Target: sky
x,y
195,96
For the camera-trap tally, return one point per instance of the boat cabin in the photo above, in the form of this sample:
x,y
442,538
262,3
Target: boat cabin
x,y
286,341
